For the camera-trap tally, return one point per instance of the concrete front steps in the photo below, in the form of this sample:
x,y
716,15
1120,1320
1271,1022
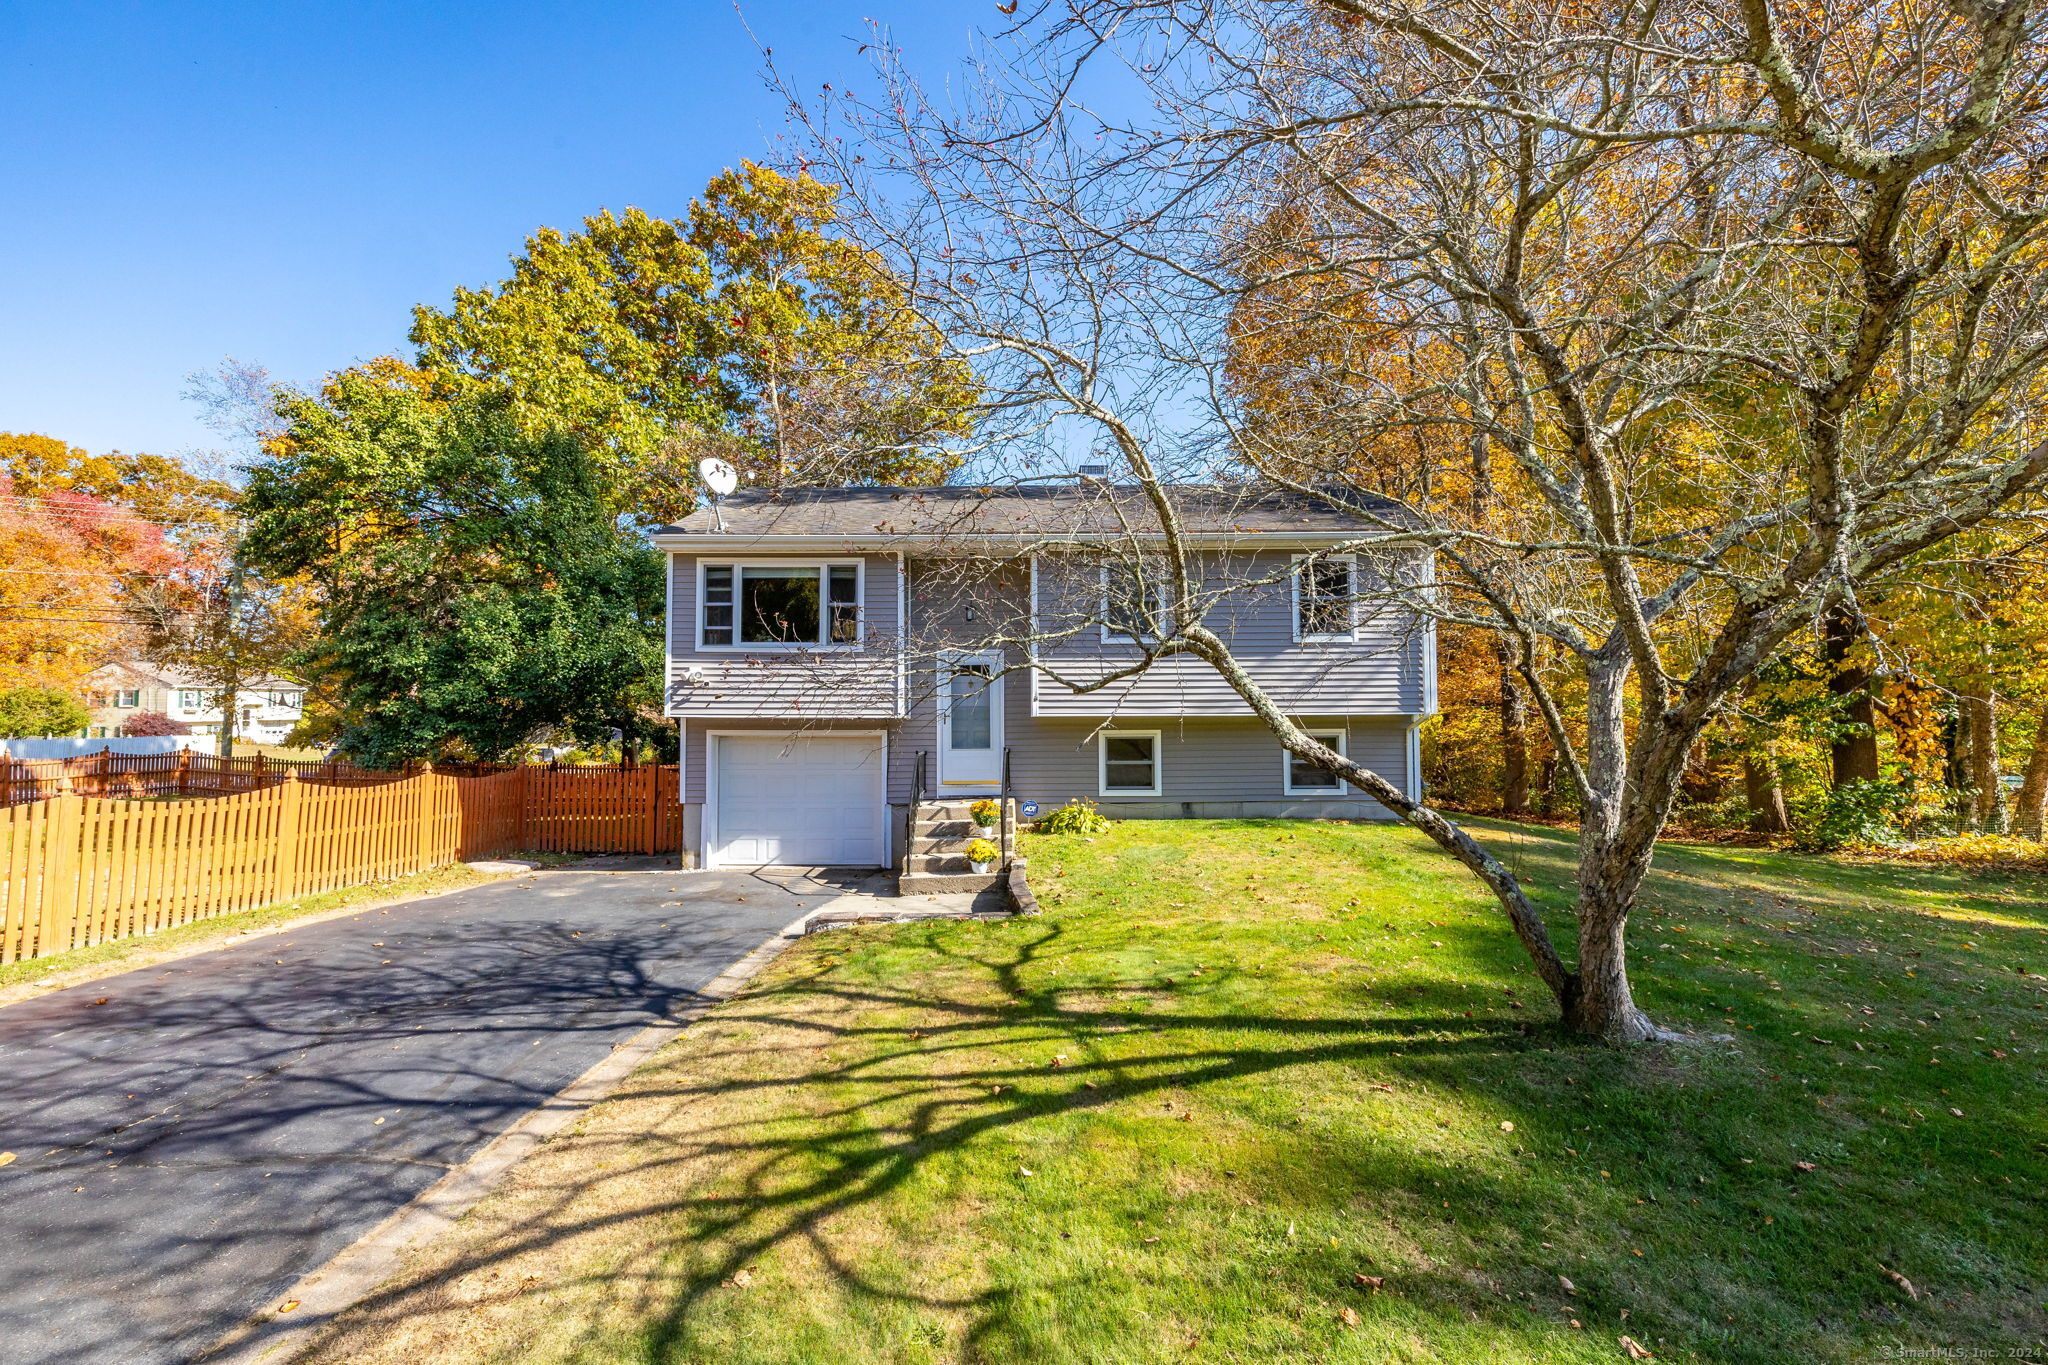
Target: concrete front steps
x,y
940,832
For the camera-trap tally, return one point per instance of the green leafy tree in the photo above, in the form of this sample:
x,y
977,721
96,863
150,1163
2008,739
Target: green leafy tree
x,y
36,713
746,329
476,587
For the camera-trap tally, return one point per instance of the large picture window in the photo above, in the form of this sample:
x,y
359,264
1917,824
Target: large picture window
x,y
1130,762
1326,598
745,605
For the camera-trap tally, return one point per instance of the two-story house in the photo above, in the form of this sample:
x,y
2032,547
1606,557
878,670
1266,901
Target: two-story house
x,y
835,655
265,711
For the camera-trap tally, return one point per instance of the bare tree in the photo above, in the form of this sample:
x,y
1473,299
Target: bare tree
x,y
1737,306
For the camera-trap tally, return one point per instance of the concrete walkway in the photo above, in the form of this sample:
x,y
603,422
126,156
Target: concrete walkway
x,y
193,1137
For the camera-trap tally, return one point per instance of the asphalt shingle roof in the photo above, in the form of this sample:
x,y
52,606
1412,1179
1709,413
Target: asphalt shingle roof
x,y
1055,510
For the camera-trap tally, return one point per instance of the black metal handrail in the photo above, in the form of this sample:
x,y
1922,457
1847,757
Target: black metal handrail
x,y
918,786
1009,831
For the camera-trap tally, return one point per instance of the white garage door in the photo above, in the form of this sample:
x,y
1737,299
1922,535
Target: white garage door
x,y
802,800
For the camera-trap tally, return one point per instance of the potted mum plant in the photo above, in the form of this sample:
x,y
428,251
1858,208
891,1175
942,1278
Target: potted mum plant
x,y
983,854
986,814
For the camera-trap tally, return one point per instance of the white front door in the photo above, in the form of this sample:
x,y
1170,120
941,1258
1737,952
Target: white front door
x,y
798,800
970,724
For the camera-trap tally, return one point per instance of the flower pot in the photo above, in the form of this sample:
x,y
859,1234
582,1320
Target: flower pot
x,y
985,831
982,869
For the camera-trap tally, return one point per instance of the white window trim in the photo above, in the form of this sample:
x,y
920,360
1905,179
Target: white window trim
x,y
860,601
1342,746
1294,600
1102,787
1110,634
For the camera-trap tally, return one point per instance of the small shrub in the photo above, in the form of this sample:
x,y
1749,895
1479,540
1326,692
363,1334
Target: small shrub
x,y
1078,816
982,851
986,813
154,723
1859,812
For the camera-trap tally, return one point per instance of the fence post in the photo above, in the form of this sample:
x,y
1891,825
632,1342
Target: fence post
x,y
60,875
526,771
184,771
290,812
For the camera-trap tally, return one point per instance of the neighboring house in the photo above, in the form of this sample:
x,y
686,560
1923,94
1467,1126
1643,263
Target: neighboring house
x,y
265,711
829,650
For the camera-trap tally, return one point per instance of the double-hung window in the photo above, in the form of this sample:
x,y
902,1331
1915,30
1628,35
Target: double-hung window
x,y
1130,762
1306,779
1326,598
188,700
128,699
752,605
1134,602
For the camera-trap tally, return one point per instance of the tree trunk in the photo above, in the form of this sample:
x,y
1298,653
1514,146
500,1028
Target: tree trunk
x,y
1956,765
1987,802
1853,754
1601,1005
1761,784
1514,735
2030,815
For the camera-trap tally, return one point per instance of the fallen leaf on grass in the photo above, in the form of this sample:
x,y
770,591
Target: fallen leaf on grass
x,y
1902,1282
1369,1282
1026,1170
1635,1350
741,1278
1804,1167
1348,1316
1566,1285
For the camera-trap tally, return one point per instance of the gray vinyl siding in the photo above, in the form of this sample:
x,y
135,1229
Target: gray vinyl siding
x,y
1205,760
1381,672
791,686
1208,760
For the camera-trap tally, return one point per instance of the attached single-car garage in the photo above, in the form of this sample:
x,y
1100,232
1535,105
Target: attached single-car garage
x,y
808,800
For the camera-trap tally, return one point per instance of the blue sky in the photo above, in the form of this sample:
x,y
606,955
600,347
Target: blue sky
x,y
282,182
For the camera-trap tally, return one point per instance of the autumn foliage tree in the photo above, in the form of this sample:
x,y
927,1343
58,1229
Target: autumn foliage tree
x,y
748,328
71,566
1737,308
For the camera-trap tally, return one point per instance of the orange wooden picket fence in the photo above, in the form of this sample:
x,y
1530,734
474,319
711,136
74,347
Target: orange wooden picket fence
x,y
81,870
183,773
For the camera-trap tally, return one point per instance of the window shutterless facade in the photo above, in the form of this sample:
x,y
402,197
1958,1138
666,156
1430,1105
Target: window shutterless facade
x,y
1129,762
1325,599
757,604
1300,778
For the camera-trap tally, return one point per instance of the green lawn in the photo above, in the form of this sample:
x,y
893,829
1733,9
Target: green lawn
x,y
1236,1066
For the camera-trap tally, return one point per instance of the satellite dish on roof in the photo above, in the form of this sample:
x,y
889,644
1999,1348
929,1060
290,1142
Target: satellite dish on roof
x,y
719,476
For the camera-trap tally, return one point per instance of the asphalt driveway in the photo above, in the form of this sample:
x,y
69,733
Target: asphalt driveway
x,y
194,1137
